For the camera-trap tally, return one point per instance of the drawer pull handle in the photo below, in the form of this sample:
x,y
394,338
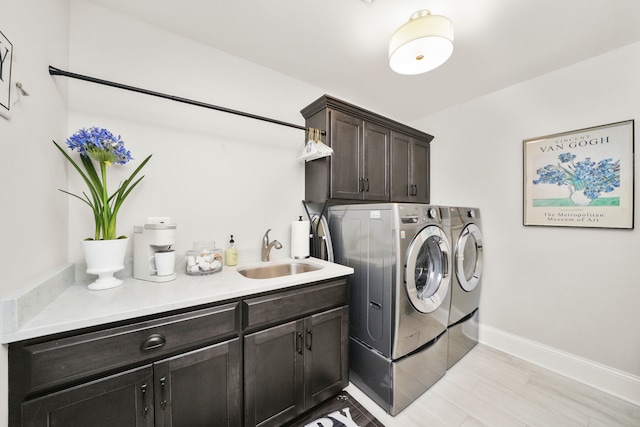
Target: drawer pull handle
x,y
309,339
143,390
299,340
152,342
163,392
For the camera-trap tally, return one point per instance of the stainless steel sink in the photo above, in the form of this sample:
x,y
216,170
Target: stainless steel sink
x,y
277,270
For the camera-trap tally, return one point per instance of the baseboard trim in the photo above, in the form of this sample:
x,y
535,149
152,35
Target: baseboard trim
x,y
610,380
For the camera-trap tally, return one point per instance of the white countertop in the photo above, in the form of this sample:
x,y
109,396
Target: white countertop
x,y
77,307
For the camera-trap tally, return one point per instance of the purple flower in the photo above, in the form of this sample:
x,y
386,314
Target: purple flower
x,y
100,144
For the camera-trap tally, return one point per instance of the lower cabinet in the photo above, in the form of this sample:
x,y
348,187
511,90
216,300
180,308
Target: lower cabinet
x,y
295,351
255,361
292,367
199,388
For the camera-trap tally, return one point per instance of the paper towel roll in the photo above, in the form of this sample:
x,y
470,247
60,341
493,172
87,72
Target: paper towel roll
x,y
300,239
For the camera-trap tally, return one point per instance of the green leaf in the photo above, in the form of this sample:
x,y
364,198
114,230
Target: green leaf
x,y
105,208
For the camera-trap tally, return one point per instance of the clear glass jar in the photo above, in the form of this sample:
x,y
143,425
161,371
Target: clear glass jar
x,y
203,259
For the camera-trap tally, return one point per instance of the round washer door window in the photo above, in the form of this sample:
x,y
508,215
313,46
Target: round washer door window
x,y
469,257
427,275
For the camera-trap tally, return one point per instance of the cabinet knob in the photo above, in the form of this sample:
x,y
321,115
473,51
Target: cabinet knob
x,y
153,341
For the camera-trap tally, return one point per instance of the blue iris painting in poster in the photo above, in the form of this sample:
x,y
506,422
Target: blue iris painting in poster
x,y
582,178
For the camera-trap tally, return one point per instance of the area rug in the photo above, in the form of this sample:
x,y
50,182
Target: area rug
x,y
340,411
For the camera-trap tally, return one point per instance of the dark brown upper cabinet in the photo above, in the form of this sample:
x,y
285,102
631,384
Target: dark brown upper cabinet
x,y
374,158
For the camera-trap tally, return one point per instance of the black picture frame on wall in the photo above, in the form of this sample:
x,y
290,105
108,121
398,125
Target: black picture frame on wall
x,y
581,178
6,59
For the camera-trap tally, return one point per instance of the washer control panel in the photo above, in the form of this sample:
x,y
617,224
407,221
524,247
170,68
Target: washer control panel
x,y
418,214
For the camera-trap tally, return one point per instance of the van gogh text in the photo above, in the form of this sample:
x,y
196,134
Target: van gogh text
x,y
574,143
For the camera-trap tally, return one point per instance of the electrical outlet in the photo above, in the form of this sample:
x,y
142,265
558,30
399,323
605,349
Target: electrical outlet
x,y
158,220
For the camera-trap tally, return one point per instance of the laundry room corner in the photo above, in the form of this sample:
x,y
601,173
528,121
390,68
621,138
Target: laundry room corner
x,y
560,288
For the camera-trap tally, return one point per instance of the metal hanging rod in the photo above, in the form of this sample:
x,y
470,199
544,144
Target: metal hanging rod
x,y
57,72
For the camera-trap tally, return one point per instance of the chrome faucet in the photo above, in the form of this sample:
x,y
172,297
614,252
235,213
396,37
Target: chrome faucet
x,y
266,246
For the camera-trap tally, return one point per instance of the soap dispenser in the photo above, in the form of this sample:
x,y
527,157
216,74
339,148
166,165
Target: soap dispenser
x,y
231,254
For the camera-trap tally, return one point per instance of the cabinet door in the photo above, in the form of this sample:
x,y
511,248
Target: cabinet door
x,y
273,374
409,169
401,182
375,163
346,167
200,388
420,171
326,355
123,400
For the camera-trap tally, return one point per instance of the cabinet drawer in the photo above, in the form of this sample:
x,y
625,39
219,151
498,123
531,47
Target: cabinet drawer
x,y
282,306
61,361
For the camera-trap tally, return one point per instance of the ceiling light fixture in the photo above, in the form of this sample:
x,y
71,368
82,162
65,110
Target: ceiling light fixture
x,y
423,43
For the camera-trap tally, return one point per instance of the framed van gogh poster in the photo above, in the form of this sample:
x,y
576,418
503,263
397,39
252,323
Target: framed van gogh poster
x,y
581,178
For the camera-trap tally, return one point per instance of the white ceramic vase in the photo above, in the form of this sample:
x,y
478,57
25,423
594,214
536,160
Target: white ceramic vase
x,y
578,198
104,257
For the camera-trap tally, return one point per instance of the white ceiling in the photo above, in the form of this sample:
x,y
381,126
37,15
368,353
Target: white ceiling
x,y
341,46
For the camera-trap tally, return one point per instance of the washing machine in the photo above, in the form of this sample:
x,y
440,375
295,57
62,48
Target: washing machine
x,y
399,296
464,312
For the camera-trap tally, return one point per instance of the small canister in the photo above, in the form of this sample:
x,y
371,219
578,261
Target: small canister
x,y
203,259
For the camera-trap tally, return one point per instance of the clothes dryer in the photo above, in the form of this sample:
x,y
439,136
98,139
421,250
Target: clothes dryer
x,y
400,299
464,312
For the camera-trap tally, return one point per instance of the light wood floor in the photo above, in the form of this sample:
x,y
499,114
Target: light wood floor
x,y
493,389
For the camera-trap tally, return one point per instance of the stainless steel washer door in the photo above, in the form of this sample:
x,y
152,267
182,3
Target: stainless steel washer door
x,y
468,263
427,277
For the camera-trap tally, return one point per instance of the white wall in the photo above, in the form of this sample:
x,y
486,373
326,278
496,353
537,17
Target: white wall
x,y
214,173
33,215
575,290
33,218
